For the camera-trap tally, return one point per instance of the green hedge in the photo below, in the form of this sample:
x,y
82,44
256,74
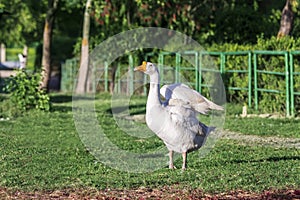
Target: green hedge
x,y
267,102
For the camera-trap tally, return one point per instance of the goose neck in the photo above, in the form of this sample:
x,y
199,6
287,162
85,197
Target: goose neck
x,y
154,95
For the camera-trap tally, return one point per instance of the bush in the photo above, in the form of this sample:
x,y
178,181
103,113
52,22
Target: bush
x,y
25,93
270,101
234,79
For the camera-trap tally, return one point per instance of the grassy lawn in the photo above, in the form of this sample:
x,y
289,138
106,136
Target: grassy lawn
x,y
42,151
282,127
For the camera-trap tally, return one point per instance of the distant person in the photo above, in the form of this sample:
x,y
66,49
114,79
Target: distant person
x,y
10,65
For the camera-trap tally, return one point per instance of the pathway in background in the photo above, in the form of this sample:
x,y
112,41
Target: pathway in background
x,y
277,142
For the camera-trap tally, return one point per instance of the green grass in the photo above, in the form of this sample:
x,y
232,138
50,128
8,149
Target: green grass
x,y
282,127
42,151
264,127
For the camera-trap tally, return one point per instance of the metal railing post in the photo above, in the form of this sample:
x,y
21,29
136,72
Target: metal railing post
x,y
255,80
222,62
249,79
292,83
105,76
197,70
177,67
118,77
160,66
287,90
130,74
200,72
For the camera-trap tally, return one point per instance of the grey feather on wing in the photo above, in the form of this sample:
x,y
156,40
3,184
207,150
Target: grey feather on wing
x,y
181,95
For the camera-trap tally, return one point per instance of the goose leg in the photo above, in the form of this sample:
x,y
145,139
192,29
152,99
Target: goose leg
x,y
184,156
171,165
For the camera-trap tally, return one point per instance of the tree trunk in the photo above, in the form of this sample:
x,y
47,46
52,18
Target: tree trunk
x,y
47,38
113,77
287,18
82,86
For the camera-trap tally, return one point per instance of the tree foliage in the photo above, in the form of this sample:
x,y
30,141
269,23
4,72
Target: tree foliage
x,y
17,24
207,21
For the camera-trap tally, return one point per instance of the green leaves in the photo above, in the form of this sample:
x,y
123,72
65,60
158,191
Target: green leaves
x,y
268,102
18,24
25,93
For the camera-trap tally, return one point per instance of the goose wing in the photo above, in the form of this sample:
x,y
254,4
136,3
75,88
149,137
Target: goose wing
x,y
182,113
180,94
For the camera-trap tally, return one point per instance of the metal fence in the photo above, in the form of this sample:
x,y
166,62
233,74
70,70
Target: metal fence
x,y
68,74
294,72
174,68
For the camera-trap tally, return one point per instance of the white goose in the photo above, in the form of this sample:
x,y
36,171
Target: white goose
x,y
174,121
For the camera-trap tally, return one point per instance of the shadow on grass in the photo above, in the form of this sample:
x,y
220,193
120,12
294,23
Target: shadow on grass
x,y
270,159
60,98
60,108
141,109
57,98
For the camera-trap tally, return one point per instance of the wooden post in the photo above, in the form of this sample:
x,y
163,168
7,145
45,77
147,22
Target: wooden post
x,y
2,53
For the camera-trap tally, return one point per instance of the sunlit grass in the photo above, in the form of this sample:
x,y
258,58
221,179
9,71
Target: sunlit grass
x,y
41,151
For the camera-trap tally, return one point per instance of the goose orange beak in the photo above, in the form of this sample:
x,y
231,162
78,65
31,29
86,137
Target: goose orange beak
x,y
142,67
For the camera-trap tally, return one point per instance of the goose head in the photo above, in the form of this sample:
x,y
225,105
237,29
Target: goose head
x,y
147,67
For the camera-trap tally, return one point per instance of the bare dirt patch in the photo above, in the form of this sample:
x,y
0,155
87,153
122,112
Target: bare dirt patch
x,y
166,192
276,142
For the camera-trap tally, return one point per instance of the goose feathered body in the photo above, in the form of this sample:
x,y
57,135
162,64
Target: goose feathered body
x,y
176,126
175,120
